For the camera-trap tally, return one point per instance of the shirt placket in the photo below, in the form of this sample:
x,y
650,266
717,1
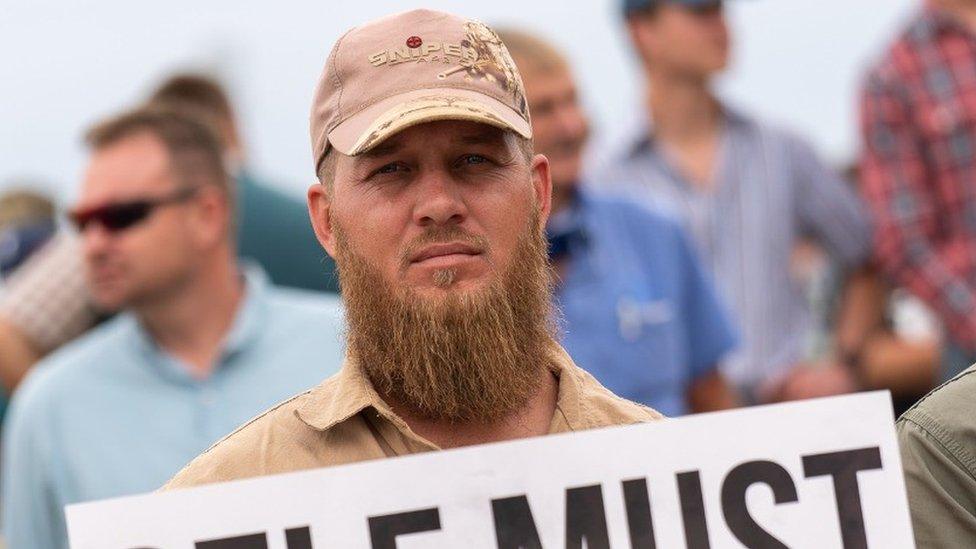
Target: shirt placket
x,y
206,408
202,396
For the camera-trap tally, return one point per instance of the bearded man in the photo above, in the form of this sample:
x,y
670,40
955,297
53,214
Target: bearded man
x,y
434,207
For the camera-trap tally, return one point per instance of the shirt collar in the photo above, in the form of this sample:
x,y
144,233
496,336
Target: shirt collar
x,y
350,392
566,230
340,397
642,136
252,314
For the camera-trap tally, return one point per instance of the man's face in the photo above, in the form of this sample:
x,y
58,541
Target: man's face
x,y
954,4
136,265
437,208
693,41
559,126
438,239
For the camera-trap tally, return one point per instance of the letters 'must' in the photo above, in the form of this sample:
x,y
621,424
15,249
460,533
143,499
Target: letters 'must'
x,y
586,520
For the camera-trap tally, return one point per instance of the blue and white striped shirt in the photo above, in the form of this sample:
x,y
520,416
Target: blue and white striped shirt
x,y
770,191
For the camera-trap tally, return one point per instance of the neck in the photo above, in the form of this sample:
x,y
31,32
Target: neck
x,y
534,419
682,109
562,197
964,12
192,321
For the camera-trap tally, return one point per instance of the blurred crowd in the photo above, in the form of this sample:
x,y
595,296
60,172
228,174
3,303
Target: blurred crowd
x,y
712,260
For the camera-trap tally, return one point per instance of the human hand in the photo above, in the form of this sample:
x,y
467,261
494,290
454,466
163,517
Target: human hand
x,y
814,380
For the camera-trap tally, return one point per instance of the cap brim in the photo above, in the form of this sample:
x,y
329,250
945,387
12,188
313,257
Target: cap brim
x,y
373,125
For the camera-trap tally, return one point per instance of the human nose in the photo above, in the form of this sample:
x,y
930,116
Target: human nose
x,y
94,238
571,120
439,200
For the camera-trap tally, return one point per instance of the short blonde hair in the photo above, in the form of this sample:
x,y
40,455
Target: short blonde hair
x,y
195,150
532,53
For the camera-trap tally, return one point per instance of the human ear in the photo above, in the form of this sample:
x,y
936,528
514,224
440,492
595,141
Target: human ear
x,y
210,217
542,186
319,212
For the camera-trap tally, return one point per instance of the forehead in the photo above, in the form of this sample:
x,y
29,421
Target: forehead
x,y
685,13
549,80
133,166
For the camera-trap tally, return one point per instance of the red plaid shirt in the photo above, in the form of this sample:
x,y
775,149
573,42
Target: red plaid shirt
x,y
918,118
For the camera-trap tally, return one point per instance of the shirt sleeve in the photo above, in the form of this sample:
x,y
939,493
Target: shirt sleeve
x,y
896,185
828,208
709,332
941,489
31,516
46,298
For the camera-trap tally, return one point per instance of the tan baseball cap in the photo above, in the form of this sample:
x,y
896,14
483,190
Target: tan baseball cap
x,y
407,69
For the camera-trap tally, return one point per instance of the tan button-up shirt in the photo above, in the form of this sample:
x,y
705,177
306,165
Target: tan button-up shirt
x,y
343,420
937,437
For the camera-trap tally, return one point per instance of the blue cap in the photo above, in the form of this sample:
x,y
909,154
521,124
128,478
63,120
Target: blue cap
x,y
19,243
631,6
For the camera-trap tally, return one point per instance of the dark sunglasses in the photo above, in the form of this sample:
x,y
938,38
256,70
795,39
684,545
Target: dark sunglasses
x,y
122,215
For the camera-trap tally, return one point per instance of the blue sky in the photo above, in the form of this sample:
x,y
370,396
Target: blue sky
x,y
65,64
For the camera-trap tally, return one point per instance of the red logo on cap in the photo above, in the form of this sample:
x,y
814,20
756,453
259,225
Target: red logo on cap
x,y
414,42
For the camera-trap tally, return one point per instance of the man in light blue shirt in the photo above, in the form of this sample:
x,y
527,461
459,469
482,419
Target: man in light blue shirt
x,y
638,312
199,349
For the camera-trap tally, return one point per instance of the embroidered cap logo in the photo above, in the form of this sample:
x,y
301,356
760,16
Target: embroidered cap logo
x,y
493,63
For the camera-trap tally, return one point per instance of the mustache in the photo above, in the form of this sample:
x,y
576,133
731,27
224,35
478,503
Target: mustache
x,y
101,260
443,235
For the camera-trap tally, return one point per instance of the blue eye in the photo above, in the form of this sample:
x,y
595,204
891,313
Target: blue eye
x,y
474,159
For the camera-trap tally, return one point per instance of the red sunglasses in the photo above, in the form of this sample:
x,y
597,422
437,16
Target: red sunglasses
x,y
122,215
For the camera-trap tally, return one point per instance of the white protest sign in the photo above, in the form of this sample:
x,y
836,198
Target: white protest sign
x,y
815,474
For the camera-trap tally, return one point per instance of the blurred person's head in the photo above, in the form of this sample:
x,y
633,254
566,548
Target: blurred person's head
x,y
953,4
21,205
26,223
434,206
155,212
205,96
684,39
963,11
559,125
